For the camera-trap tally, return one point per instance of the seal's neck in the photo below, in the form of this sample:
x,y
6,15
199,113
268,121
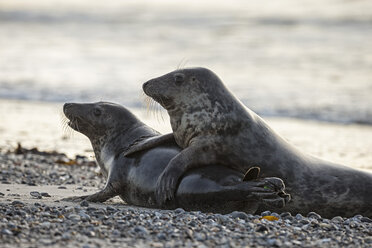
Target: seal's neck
x,y
206,115
117,141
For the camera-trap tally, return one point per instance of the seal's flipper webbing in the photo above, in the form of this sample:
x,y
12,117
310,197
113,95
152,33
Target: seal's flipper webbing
x,y
252,174
150,143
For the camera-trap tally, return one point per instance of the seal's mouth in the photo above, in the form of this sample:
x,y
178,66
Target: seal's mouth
x,y
150,90
73,124
72,120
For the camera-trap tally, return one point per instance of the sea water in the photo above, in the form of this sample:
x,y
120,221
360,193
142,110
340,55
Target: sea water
x,y
304,59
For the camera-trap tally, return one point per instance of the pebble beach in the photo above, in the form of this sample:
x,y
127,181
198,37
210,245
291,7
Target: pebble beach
x,y
35,179
32,215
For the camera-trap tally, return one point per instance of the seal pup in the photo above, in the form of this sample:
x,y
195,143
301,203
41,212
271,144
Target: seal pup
x,y
213,126
111,129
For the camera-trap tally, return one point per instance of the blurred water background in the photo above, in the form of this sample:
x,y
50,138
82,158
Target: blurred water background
x,y
308,59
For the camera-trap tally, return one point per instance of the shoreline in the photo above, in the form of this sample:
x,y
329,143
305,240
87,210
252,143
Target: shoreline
x,y
39,124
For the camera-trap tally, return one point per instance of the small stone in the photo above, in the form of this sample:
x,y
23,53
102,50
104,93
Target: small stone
x,y
366,219
45,194
90,234
46,225
74,217
116,232
161,236
6,232
84,216
111,209
18,203
222,219
304,222
313,215
141,229
62,187
200,236
66,236
35,194
299,216
261,228
353,224
266,213
84,203
179,211
275,242
11,225
240,215
69,209
337,219
325,225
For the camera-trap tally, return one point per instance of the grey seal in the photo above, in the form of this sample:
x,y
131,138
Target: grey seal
x,y
111,128
212,126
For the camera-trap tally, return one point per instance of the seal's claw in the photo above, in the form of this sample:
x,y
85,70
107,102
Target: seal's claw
x,y
166,186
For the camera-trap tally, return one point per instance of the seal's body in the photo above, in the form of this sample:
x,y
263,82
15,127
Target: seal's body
x,y
212,125
112,129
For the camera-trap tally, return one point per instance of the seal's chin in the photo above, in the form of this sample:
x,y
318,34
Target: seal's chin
x,y
165,102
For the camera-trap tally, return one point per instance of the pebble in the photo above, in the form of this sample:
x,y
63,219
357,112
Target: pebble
x,y
45,194
6,232
240,215
313,215
35,194
17,203
366,219
74,217
337,219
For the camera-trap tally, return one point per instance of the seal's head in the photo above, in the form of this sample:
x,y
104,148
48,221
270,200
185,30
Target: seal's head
x,y
98,120
187,88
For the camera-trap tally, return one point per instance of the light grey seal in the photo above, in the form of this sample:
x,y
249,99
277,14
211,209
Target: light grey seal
x,y
213,126
111,129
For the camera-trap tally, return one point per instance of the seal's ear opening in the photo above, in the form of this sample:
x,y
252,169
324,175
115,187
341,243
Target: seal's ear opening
x,y
252,174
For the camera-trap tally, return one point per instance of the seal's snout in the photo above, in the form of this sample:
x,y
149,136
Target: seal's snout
x,y
145,85
66,106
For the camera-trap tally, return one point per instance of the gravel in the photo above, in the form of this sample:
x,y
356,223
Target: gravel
x,y
43,223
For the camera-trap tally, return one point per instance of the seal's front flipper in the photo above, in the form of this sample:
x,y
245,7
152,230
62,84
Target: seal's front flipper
x,y
150,143
252,174
100,196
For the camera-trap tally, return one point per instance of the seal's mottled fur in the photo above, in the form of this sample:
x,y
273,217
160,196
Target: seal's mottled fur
x,y
213,126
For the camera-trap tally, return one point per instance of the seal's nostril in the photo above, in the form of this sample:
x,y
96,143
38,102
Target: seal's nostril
x,y
145,85
66,106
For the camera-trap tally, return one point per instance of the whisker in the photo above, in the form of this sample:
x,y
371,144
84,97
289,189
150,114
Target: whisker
x,y
182,63
67,131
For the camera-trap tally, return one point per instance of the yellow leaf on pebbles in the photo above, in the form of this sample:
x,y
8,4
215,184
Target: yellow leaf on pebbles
x,y
269,217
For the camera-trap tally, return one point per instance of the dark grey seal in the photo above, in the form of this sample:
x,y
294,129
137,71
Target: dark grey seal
x,y
112,129
213,126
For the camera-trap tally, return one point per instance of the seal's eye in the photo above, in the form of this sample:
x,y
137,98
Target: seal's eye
x,y
97,112
179,78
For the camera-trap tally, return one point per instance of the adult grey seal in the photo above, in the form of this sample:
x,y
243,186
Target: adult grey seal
x,y
213,126
111,129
